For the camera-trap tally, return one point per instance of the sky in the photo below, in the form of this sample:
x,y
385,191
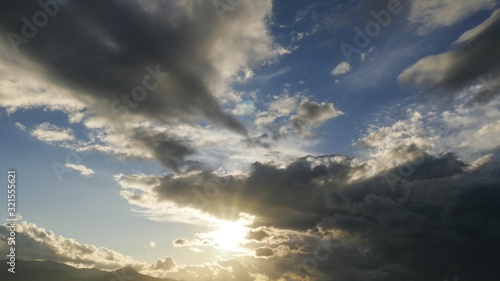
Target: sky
x,y
255,140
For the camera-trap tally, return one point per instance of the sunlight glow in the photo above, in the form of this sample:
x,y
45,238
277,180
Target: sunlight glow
x,y
229,236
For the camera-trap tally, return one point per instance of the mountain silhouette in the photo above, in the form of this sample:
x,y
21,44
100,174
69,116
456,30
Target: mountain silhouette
x,y
53,271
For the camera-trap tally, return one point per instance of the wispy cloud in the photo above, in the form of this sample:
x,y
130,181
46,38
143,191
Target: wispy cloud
x,y
428,15
84,171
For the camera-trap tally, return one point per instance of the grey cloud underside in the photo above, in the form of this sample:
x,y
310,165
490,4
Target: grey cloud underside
x,y
465,63
441,219
442,228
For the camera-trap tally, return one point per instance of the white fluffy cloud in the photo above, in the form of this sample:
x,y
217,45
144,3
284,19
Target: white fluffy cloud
x,y
50,133
473,129
397,143
342,68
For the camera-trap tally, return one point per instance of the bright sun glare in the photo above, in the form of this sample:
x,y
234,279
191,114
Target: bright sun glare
x,y
229,236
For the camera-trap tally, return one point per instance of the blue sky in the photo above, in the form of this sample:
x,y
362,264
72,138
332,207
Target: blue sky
x,y
239,95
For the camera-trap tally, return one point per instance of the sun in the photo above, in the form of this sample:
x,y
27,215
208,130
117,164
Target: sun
x,y
229,236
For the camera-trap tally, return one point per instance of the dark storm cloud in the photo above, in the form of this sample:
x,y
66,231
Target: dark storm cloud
x,y
432,226
425,230
104,48
290,197
474,56
440,220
